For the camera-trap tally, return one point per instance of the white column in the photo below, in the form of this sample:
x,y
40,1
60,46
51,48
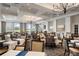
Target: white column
x,y
54,25
67,24
0,26
47,26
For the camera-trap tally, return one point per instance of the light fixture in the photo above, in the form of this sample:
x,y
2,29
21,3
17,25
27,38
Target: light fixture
x,y
29,18
63,6
58,7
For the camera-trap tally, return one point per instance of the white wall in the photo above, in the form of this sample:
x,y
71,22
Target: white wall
x,y
60,21
64,20
50,26
74,21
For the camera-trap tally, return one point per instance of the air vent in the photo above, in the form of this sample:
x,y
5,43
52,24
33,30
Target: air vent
x,y
6,5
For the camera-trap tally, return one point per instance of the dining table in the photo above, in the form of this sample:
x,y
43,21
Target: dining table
x,y
25,53
74,51
11,44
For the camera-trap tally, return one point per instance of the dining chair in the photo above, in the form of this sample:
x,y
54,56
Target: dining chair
x,y
67,44
50,41
23,37
37,46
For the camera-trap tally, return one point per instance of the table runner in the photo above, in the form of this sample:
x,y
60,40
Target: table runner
x,y
22,53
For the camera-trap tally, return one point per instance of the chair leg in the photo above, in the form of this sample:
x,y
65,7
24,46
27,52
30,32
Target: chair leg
x,y
65,52
68,52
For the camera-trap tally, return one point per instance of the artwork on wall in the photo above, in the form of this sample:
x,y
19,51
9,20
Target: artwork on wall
x,y
60,25
60,28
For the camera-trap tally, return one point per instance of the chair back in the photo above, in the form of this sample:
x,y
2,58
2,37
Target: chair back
x,y
37,46
50,39
7,37
65,44
23,37
68,35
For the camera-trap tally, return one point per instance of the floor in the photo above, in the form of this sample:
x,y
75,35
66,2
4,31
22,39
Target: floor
x,y
58,51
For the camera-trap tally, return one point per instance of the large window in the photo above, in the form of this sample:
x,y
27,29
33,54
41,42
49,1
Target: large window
x,y
28,28
9,27
16,27
12,27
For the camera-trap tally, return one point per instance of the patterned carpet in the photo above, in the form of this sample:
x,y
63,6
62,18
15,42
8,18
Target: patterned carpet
x,y
58,51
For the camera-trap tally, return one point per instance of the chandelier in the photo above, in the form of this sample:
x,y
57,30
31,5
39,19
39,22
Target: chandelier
x,y
63,6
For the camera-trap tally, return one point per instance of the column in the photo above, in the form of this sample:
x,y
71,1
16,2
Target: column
x,y
3,26
67,24
54,25
21,27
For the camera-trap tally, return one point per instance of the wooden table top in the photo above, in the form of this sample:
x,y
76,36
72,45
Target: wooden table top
x,y
76,50
3,50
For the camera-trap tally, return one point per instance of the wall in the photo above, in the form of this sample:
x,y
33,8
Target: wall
x,y
60,21
50,26
66,21
74,21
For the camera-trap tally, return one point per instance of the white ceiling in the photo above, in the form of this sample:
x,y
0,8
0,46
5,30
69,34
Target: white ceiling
x,y
31,11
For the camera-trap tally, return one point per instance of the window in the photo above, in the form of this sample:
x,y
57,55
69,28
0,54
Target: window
x,y
9,27
16,27
75,29
28,28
